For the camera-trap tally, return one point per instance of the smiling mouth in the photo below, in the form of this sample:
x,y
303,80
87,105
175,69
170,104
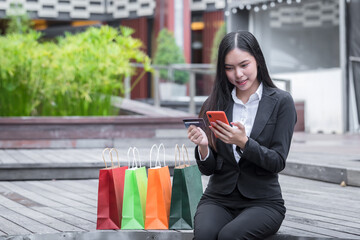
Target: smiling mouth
x,y
241,82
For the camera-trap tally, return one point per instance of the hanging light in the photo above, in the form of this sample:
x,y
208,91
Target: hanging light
x,y
241,6
234,10
272,4
264,7
227,13
248,7
280,1
256,9
288,1
298,1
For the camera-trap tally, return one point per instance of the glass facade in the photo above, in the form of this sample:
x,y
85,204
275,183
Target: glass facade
x,y
300,36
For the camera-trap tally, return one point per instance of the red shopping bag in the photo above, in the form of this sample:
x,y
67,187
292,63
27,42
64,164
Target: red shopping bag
x,y
110,194
158,194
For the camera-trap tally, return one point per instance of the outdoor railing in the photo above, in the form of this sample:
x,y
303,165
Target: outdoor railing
x,y
192,69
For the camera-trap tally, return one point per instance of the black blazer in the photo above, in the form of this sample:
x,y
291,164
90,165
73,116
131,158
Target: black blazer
x,y
264,156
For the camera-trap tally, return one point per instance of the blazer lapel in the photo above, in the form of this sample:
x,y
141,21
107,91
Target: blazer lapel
x,y
265,109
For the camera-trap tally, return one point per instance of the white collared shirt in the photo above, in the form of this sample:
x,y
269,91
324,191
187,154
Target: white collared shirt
x,y
245,113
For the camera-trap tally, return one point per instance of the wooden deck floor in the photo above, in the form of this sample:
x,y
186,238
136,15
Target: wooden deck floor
x,y
66,207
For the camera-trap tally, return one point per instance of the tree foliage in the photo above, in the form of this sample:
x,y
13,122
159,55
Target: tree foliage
x,y
169,53
75,76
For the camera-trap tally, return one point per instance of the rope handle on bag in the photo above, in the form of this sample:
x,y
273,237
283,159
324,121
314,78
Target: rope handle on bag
x,y
104,156
134,161
117,156
178,150
128,156
156,155
187,154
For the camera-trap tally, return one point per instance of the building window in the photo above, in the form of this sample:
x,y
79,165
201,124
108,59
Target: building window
x,y
48,7
299,37
64,1
80,8
95,3
145,5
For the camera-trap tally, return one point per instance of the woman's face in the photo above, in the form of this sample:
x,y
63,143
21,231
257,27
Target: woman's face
x,y
241,70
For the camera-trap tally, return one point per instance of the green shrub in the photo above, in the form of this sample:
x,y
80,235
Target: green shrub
x,y
169,53
75,77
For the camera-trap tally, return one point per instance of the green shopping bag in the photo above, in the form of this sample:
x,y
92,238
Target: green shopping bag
x,y
186,193
135,188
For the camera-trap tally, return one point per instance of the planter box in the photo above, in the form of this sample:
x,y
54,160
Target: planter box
x,y
80,132
171,91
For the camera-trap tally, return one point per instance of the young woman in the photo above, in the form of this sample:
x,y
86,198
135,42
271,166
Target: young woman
x,y
243,198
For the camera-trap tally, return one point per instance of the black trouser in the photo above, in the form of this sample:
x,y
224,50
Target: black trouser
x,y
234,218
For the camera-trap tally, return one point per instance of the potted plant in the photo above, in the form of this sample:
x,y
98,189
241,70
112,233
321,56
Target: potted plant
x,y
167,53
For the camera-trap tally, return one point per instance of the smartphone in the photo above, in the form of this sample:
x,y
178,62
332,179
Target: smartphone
x,y
217,115
199,122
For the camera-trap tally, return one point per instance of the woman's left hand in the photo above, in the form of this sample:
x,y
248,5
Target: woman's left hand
x,y
231,135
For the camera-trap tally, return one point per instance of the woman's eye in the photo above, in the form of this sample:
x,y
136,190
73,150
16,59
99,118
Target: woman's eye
x,y
244,65
228,68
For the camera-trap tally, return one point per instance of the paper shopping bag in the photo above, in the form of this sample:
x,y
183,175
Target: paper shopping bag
x,y
135,188
186,193
119,180
110,191
158,194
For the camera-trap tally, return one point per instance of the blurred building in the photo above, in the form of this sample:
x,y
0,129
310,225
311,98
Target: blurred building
x,y
193,22
315,44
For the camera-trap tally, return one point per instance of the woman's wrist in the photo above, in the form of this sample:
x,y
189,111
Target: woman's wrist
x,y
203,149
243,142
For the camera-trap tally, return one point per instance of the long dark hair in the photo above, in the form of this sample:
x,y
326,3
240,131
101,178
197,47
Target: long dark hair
x,y
220,95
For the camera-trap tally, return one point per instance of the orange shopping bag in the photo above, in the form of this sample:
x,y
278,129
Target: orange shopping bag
x,y
110,195
158,194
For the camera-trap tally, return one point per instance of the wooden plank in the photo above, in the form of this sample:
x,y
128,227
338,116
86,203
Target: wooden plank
x,y
68,156
89,155
6,158
284,230
11,228
335,216
22,189
67,218
2,233
321,187
323,222
19,157
85,214
34,155
37,216
89,213
293,223
51,196
51,156
68,196
81,186
25,222
74,188
315,204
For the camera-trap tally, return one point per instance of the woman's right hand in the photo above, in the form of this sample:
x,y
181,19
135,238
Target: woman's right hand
x,y
198,136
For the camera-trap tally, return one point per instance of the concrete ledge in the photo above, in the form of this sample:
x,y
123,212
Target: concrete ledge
x,y
135,235
90,170
49,171
323,173
77,132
